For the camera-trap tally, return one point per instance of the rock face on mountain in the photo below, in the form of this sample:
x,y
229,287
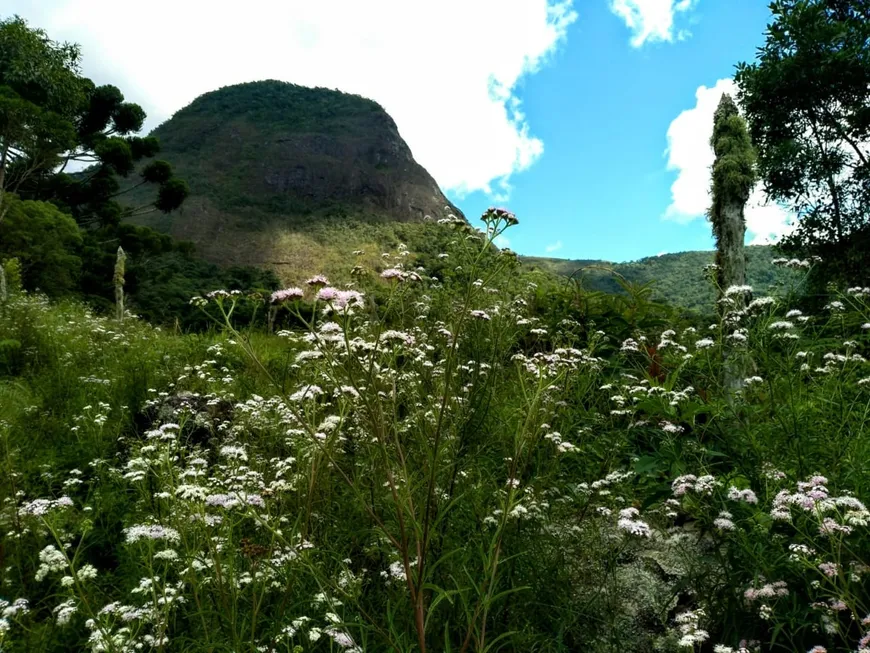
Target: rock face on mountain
x,y
268,160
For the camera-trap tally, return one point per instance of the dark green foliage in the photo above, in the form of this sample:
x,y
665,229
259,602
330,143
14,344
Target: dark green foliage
x,y
734,168
282,106
107,106
157,172
41,71
807,101
47,244
161,275
51,115
144,147
171,195
115,153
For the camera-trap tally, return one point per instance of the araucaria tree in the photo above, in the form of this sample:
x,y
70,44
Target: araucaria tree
x,y
733,178
806,98
52,116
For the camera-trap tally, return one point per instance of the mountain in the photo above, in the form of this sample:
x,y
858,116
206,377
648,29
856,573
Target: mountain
x,y
293,178
297,180
677,278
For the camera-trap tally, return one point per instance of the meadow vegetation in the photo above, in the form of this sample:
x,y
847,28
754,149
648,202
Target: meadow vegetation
x,y
440,447
458,464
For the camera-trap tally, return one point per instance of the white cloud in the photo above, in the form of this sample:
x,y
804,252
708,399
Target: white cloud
x,y
652,20
554,247
502,241
446,71
690,154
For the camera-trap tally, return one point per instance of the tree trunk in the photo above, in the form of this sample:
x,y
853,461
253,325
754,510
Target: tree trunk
x,y
3,155
733,180
730,256
731,259
118,280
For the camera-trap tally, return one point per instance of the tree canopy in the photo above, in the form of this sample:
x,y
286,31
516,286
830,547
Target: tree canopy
x,y
46,242
51,116
807,101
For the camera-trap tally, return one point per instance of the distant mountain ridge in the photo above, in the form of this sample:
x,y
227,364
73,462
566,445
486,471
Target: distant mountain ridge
x,y
276,169
679,278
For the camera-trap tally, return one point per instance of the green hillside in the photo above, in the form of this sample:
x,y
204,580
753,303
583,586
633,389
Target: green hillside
x,y
677,278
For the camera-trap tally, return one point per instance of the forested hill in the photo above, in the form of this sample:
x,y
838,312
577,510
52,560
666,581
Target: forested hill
x,y
293,179
679,278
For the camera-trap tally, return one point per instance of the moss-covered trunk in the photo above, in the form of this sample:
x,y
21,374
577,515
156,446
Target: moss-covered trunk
x,y
733,179
730,253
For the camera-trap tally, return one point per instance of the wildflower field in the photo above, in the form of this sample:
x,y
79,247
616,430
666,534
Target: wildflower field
x,y
408,464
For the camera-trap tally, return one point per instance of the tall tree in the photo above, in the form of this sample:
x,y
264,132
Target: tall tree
x,y
40,93
51,116
733,179
807,101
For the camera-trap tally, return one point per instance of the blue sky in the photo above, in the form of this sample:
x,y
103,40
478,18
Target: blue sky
x,y
602,109
590,119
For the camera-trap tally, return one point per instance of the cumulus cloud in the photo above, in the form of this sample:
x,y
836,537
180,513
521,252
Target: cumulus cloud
x,y
554,247
446,71
652,21
690,155
501,241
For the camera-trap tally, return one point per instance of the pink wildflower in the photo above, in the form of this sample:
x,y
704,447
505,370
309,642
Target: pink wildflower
x,y
348,299
830,526
766,591
747,496
393,273
495,213
724,521
327,294
829,569
318,280
286,294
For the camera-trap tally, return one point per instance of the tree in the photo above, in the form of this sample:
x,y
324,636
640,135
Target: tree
x,y
40,93
51,116
807,101
46,243
733,179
